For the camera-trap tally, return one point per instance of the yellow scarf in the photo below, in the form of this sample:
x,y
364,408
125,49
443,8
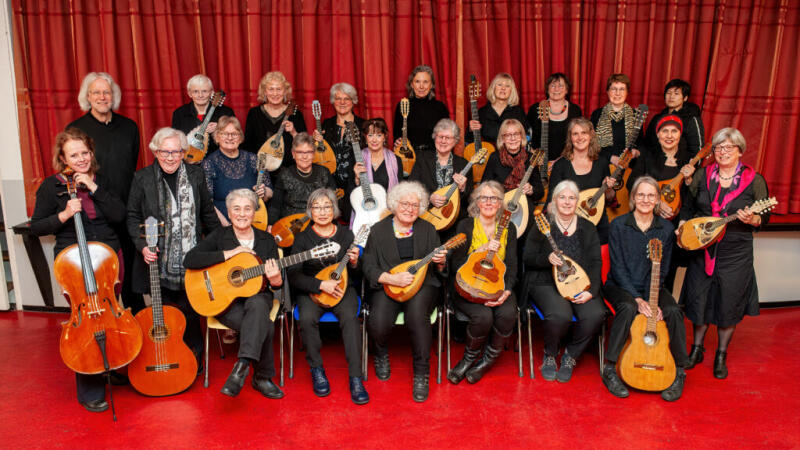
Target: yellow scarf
x,y
479,238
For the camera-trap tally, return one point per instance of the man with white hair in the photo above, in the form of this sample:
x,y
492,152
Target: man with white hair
x,y
189,116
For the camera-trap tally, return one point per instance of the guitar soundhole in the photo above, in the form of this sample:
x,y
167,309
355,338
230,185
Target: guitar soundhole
x,y
487,264
369,204
235,276
650,338
159,333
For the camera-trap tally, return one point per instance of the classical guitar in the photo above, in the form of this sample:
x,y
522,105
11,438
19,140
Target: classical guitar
x,y
284,229
544,145
622,207
646,362
338,272
671,189
481,278
213,289
570,278
405,151
198,141
418,268
700,232
469,150
516,201
443,217
592,202
261,217
368,199
323,153
166,365
274,147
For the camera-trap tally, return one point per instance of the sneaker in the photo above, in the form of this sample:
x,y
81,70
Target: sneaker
x,y
613,383
675,391
567,364
549,368
383,370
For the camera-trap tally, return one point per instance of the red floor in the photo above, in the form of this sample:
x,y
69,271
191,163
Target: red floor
x,y
757,406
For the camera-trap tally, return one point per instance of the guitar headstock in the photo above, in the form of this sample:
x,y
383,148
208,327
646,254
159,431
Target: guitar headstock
x,y
480,156
654,250
544,111
625,159
763,205
325,250
474,89
639,116
353,133
152,230
541,223
218,98
361,236
405,107
316,109
455,241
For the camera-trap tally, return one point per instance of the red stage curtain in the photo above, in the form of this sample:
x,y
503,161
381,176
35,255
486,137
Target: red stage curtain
x,y
739,56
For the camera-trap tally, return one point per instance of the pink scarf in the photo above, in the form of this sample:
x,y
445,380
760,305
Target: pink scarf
x,y
743,177
388,159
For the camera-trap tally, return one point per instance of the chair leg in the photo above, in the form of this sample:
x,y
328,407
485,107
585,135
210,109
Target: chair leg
x,y
519,345
601,344
281,319
447,318
439,350
530,345
205,354
364,345
291,345
221,350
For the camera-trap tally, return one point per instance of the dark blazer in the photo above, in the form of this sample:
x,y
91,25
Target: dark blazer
x,y
459,255
424,172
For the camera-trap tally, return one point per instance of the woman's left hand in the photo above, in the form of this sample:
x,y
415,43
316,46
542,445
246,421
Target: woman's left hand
x,y
353,255
272,273
263,192
664,210
460,180
289,127
494,245
583,297
499,301
85,180
440,257
527,189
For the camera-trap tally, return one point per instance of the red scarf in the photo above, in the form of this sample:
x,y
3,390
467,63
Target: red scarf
x,y
517,163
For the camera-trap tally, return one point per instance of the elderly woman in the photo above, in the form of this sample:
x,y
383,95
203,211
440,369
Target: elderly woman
x,y
189,116
720,286
249,316
557,88
425,110
174,193
396,239
385,168
576,238
266,119
323,211
54,212
493,318
614,122
508,164
502,105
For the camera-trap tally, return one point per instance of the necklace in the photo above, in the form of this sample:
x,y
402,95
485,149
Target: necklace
x,y
555,113
402,234
727,178
303,175
565,229
319,231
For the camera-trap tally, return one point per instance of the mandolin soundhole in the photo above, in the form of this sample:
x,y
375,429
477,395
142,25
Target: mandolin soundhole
x,y
235,276
668,194
335,276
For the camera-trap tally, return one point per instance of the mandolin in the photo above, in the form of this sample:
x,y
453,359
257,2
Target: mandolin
x,y
261,217
274,147
544,145
646,362
405,151
338,272
671,189
418,268
700,232
166,365
469,150
592,202
323,153
284,229
212,290
622,207
570,278
444,216
198,141
516,202
481,278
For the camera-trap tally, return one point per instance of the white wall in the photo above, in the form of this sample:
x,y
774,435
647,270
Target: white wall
x,y
777,260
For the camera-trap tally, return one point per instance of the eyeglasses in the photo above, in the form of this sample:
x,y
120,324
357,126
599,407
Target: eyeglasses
x,y
516,135
229,135
169,154
567,197
408,206
489,199
200,91
443,137
643,196
725,148
342,99
325,208
376,136
558,85
311,153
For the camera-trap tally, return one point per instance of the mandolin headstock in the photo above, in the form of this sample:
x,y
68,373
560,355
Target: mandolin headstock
x,y
405,107
455,241
316,109
541,223
764,205
218,98
654,250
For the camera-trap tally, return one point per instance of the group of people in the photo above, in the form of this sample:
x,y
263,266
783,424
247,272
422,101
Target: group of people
x,y
208,212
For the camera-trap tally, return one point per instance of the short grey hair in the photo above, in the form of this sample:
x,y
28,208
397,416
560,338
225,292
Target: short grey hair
x,y
199,79
244,193
302,138
647,179
323,193
166,133
563,185
474,210
447,125
418,69
732,134
403,189
347,89
83,94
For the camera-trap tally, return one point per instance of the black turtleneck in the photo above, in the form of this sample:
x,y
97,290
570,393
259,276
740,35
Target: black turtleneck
x,y
423,115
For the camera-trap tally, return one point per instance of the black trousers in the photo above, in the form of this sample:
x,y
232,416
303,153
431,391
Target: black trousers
x,y
193,337
346,311
626,309
383,312
558,312
90,387
482,317
130,299
250,317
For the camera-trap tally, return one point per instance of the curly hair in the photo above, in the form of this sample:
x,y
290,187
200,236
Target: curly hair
x,y
72,134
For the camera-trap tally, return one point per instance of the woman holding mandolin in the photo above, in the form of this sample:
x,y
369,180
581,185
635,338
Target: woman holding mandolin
x,y
400,238
323,210
424,110
494,319
720,286
502,105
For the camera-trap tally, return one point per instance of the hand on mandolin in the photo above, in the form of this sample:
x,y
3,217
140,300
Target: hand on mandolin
x,y
554,259
460,180
263,192
582,298
664,210
747,216
644,308
499,301
438,200
527,189
353,254
331,287
401,279
73,206
288,126
318,136
228,254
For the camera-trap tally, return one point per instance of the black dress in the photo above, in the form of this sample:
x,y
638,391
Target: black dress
x,y
563,170
186,119
423,115
292,190
556,130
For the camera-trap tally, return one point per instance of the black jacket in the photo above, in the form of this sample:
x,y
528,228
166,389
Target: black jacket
x,y
490,122
303,276
627,248
556,131
259,128
459,255
423,115
424,171
693,135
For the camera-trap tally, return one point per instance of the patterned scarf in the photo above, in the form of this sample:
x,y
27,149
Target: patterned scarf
x,y
604,129
517,163
179,228
444,174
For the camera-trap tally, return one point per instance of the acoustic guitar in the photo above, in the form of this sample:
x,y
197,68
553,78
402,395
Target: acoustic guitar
x,y
166,365
368,199
323,153
592,202
469,150
481,278
274,147
622,207
338,272
671,189
514,199
570,278
646,362
544,145
700,232
286,228
405,151
198,141
443,217
418,268
212,290
261,217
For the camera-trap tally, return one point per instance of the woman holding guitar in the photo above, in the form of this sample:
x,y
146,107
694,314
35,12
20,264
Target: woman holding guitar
x,y
323,211
53,214
497,317
392,241
628,284
720,286
576,238
250,316
425,110
560,111
502,105
385,168
615,122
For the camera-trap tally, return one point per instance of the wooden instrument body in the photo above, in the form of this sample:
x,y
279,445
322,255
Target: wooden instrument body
x,y
698,233
478,168
166,365
324,156
590,212
671,193
621,194
90,314
481,281
646,362
194,155
329,273
402,294
212,290
444,217
570,278
404,150
198,141
274,146
368,211
284,229
520,214
261,217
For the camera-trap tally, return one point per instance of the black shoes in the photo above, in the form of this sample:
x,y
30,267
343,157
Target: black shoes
x,y
675,390
235,380
320,382
420,393
493,350
358,394
266,387
567,364
96,405
696,356
471,353
613,383
382,368
549,368
720,369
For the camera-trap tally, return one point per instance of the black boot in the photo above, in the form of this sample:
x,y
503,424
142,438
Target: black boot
x,y
491,353
612,381
420,392
266,387
720,369
383,370
471,353
675,390
235,380
696,356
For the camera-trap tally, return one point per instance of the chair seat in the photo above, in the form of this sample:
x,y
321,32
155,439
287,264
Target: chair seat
x,y
215,324
401,318
327,316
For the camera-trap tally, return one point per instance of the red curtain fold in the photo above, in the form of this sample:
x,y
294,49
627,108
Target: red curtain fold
x,y
739,57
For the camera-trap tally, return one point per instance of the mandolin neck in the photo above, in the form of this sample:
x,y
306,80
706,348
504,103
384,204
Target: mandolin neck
x,y
655,281
452,189
554,246
424,261
515,198
545,146
404,142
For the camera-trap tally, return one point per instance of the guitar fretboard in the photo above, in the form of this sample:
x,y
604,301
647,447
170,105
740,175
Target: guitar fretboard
x,y
655,281
155,292
259,270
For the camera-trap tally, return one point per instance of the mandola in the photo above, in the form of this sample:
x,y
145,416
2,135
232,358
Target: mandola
x,y
622,207
323,153
481,278
700,232
443,217
518,203
198,141
404,150
570,278
274,147
418,268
